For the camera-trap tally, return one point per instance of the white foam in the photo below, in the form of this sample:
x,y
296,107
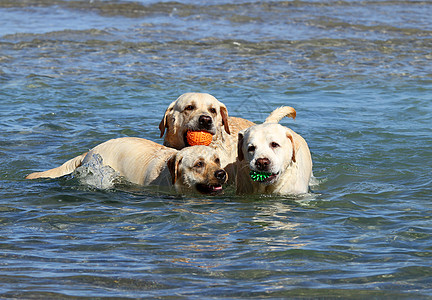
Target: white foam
x,y
95,174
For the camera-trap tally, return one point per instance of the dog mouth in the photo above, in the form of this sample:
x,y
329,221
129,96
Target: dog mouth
x,y
209,189
263,177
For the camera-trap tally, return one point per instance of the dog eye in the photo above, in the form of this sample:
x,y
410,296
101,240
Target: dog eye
x,y
190,107
217,160
251,148
213,110
199,164
274,145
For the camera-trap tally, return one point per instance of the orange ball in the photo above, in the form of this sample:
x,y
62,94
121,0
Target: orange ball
x,y
199,138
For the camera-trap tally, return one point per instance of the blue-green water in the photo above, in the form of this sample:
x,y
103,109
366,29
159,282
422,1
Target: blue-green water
x,y
359,73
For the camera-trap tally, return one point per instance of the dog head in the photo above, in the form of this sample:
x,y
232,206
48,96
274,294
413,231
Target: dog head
x,y
268,148
195,112
197,168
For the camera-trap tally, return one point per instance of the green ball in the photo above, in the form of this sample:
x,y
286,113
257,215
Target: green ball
x,y
259,176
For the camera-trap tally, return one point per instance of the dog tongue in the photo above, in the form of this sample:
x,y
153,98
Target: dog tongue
x,y
209,189
216,188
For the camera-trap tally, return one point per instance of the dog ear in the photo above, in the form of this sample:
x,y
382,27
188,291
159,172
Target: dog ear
x,y
224,114
164,123
289,135
240,147
173,165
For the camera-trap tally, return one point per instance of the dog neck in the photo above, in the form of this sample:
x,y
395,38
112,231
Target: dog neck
x,y
224,145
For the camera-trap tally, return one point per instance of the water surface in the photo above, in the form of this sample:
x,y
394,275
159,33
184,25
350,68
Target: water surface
x,y
76,73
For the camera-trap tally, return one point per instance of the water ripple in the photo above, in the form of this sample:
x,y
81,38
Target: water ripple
x,y
78,73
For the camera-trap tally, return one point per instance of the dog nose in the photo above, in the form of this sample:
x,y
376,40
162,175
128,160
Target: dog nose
x,y
205,122
220,175
262,164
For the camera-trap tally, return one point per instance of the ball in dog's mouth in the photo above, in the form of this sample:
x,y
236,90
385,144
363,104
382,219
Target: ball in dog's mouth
x,y
199,137
262,177
209,189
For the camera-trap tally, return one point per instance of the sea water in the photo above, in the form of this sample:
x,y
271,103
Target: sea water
x,y
74,74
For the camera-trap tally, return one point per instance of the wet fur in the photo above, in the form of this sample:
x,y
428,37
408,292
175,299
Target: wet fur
x,y
145,162
183,114
287,153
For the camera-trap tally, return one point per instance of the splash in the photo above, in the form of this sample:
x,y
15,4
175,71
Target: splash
x,y
95,174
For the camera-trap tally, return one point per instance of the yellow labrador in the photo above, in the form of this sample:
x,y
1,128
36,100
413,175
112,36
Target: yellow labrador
x,y
201,111
145,162
278,153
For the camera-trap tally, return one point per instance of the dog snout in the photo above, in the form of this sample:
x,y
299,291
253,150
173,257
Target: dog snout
x,y
205,122
262,164
220,175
